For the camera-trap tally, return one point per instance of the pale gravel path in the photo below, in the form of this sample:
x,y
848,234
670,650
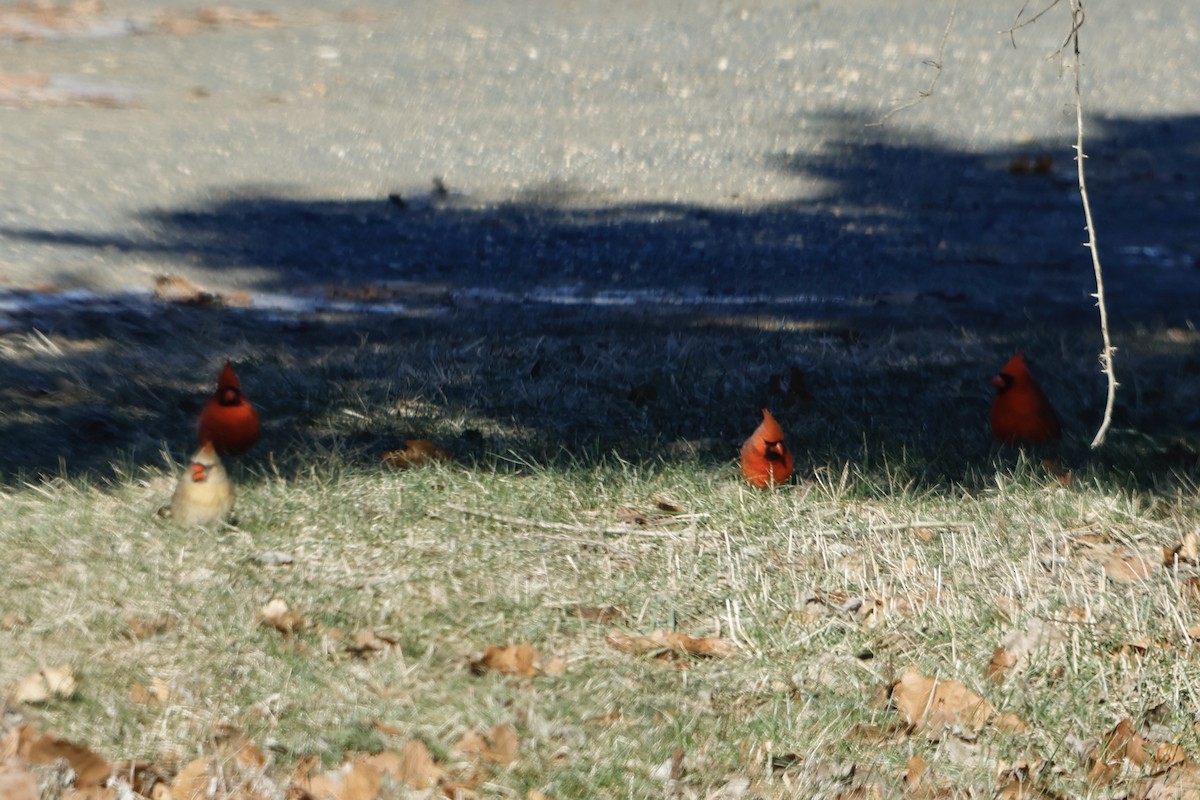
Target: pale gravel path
x,y
637,145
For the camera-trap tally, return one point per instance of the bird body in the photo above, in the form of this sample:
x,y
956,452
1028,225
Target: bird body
x,y
228,420
765,458
204,495
1021,412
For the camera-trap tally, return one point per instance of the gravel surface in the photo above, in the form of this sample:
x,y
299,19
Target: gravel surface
x,y
712,147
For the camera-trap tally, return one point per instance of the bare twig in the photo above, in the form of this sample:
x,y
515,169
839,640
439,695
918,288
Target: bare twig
x,y
1018,24
523,522
931,524
1106,355
937,74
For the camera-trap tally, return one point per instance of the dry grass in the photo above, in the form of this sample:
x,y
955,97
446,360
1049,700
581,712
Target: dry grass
x,y
906,540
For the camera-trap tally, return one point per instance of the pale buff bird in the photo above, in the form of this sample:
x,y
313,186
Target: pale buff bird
x,y
204,495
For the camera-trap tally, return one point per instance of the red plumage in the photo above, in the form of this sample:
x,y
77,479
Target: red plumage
x,y
228,420
1021,412
765,458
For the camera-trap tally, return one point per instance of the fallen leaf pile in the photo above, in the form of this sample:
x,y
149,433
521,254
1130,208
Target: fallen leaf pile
x,y
238,768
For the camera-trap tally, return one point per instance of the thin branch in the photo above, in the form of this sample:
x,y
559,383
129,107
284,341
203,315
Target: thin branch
x,y
931,524
523,522
937,74
1017,24
1106,355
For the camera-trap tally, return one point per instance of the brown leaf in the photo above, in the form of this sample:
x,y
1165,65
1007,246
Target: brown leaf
x,y
352,780
413,766
669,644
1038,638
91,769
1187,551
144,628
1125,567
16,782
283,619
13,619
233,743
1009,723
505,745
44,685
387,728
518,659
602,614
157,693
470,744
416,453
368,643
174,289
192,781
932,705
1120,744
143,777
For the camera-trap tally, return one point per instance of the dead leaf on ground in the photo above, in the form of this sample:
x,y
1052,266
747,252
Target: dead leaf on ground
x,y
1039,638
602,614
352,780
157,693
181,24
517,659
413,766
669,644
13,619
279,616
416,453
44,685
1187,551
368,643
16,782
142,776
146,627
191,783
232,742
91,769
1180,780
1126,567
500,746
933,705
176,289
1118,745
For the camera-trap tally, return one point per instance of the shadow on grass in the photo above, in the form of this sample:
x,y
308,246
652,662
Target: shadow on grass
x,y
559,329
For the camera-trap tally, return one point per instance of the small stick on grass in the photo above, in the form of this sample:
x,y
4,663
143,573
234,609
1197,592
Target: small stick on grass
x,y
523,522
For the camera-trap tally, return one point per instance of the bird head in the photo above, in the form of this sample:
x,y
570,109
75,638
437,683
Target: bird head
x,y
1010,372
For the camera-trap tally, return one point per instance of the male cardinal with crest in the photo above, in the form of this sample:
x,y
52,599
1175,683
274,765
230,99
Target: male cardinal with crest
x,y
765,458
228,420
1021,412
204,496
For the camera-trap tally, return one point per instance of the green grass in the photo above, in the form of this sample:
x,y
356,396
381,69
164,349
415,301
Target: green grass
x,y
904,541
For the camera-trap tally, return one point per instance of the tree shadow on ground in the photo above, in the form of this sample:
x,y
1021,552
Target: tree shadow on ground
x,y
553,327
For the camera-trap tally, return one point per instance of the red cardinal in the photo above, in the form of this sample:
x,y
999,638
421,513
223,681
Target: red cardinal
x,y
1021,413
765,458
228,420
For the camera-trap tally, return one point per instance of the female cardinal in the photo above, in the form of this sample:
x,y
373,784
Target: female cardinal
x,y
765,458
1021,413
228,420
204,495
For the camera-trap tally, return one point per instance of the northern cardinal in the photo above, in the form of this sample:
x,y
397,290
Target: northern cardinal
x,y
1021,413
765,458
204,495
228,420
